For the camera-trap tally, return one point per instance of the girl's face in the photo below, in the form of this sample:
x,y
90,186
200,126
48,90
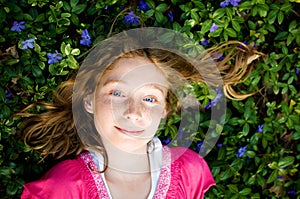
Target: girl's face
x,y
129,103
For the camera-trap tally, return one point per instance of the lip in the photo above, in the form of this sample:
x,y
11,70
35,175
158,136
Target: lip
x,y
128,132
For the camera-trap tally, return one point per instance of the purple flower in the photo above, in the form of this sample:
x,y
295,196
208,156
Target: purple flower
x,y
204,42
131,18
18,26
199,147
241,151
53,57
224,4
235,2
297,71
143,6
181,134
106,7
217,56
8,96
85,38
292,192
29,43
260,128
166,141
213,28
171,16
219,145
215,100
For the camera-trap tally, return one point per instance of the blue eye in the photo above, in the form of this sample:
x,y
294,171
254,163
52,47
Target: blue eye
x,y
116,93
149,99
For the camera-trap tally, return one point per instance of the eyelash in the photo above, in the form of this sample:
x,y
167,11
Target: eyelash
x,y
153,99
114,93
150,99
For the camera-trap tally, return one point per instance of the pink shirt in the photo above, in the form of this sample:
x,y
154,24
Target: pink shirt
x,y
185,176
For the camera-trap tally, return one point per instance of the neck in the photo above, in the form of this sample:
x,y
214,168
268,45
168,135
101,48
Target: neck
x,y
134,162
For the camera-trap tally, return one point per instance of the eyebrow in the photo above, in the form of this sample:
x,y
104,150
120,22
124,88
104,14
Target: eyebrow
x,y
113,82
155,86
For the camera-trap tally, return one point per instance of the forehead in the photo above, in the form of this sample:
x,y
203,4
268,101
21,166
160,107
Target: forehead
x,y
136,72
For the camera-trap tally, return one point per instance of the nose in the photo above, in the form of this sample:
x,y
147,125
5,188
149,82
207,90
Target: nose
x,y
133,110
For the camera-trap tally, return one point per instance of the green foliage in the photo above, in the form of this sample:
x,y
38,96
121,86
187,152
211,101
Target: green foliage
x,y
269,168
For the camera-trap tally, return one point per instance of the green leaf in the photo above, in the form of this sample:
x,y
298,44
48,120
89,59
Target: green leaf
x,y
295,136
194,15
290,39
40,18
245,191
251,25
292,25
62,48
260,180
272,16
281,36
75,51
63,22
75,20
280,17
79,8
206,26
230,32
246,129
66,6
149,13
72,63
159,17
286,7
2,95
36,71
2,15
236,26
226,174
246,5
273,176
255,196
254,11
298,39
67,49
263,10
286,161
271,28
233,188
229,12
250,154
151,4
161,7
219,13
73,3
176,26
65,15
167,37
41,65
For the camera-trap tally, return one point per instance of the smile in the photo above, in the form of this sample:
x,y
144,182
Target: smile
x,y
127,131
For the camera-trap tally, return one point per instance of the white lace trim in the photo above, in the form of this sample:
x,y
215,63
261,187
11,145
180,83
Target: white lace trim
x,y
161,178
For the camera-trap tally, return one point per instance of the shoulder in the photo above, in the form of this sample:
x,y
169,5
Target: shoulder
x,y
67,178
190,174
66,168
186,157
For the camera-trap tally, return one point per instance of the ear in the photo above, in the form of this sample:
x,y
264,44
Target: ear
x,y
88,103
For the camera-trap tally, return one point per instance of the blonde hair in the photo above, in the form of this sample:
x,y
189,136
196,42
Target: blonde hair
x,y
55,132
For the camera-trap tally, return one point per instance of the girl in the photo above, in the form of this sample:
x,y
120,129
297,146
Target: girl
x,y
106,118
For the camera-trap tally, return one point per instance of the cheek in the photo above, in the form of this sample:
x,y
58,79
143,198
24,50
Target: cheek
x,y
157,113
